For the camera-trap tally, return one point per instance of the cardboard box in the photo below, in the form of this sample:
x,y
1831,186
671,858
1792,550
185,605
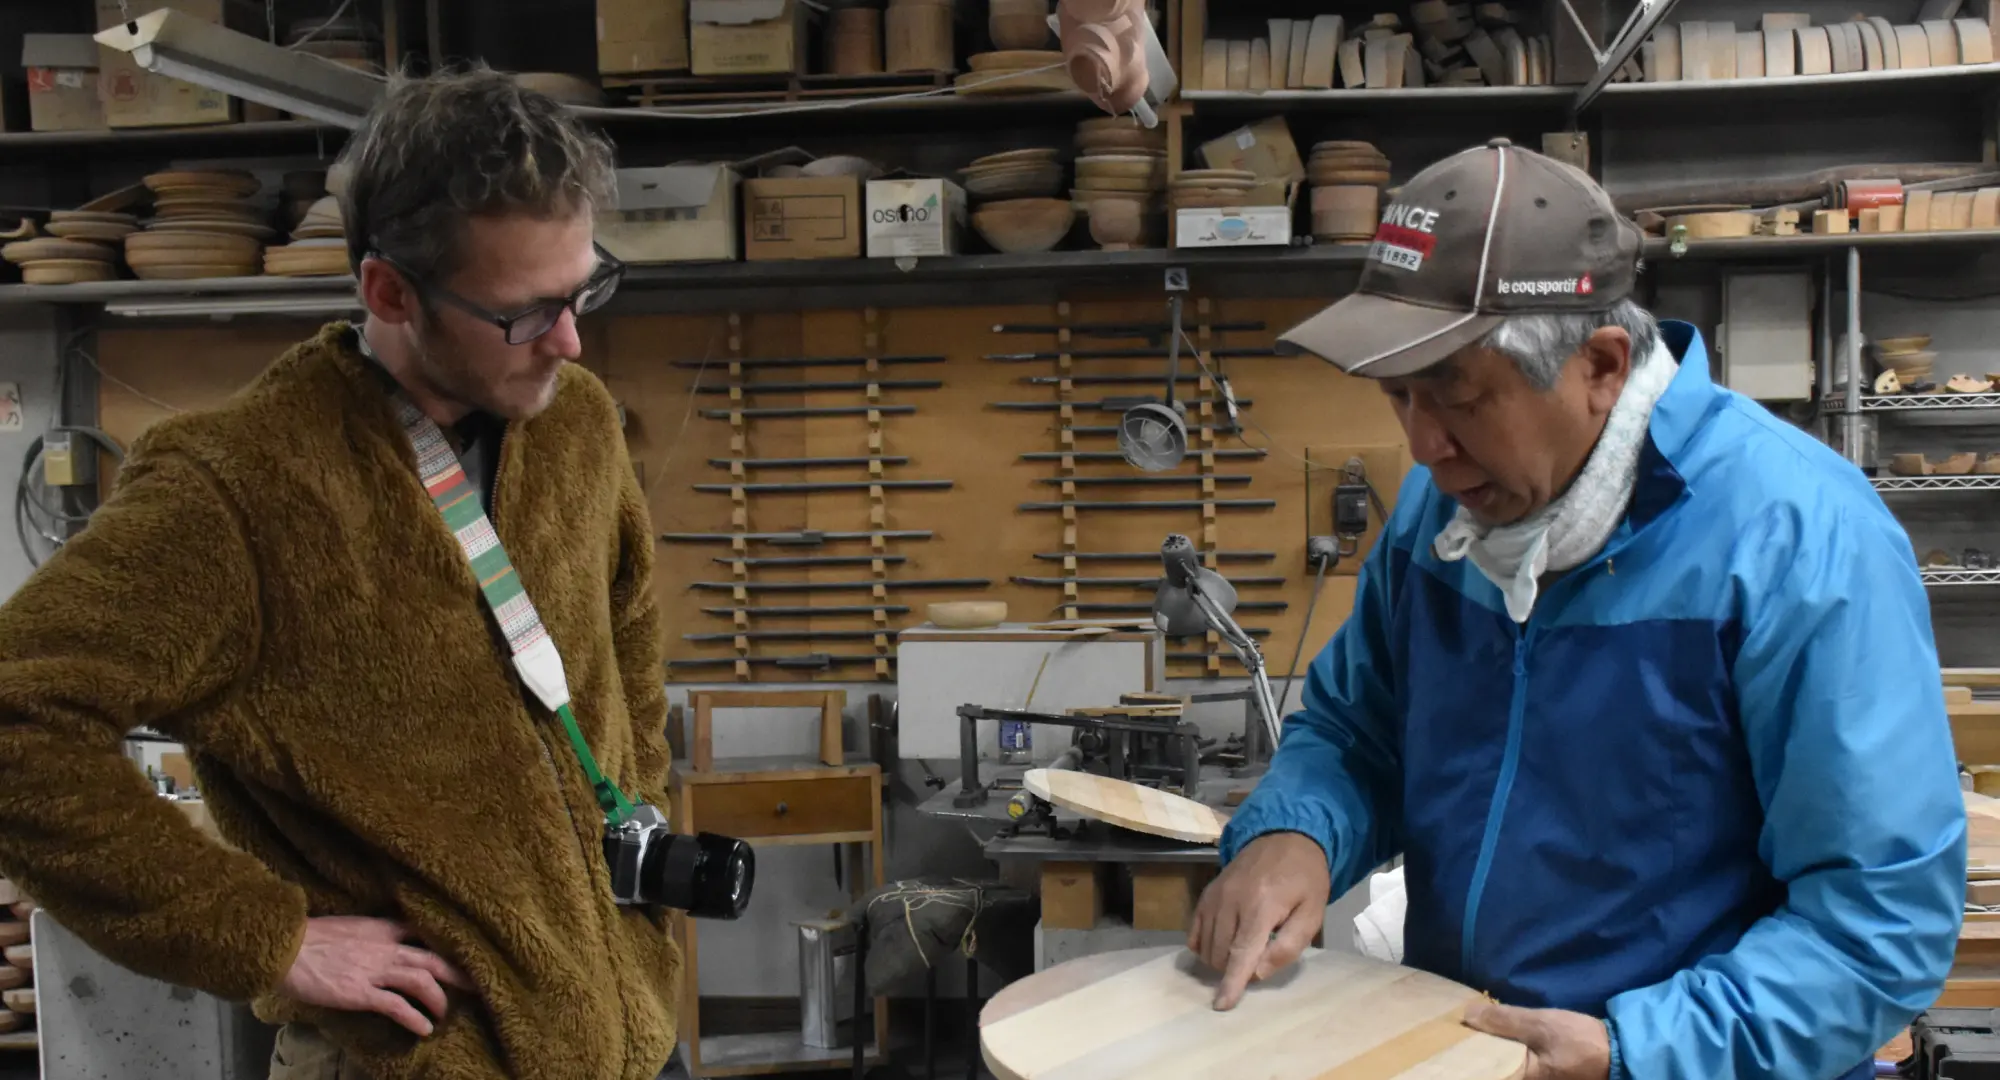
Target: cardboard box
x,y
1246,226
747,37
675,213
1264,148
809,217
639,37
914,218
135,98
62,82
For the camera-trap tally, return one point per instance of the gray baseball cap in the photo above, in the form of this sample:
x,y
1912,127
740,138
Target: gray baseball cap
x,y
1486,233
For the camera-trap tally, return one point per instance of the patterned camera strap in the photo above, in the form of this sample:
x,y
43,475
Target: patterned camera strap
x,y
451,490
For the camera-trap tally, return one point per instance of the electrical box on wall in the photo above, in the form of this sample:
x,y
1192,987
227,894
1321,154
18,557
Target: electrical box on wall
x,y
1765,338
1352,512
69,459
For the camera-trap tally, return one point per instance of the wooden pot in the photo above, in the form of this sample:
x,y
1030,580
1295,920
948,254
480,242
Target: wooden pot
x,y
854,41
918,36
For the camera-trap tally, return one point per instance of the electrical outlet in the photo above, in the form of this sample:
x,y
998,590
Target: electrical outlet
x,y
68,459
1384,467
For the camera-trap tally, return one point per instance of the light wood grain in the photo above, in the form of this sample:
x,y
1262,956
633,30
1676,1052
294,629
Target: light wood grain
x,y
1141,809
1149,1013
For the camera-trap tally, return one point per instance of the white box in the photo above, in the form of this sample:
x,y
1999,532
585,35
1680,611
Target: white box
x,y
1765,335
914,218
938,670
1243,226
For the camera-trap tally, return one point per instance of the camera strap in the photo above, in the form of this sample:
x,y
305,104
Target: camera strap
x,y
535,656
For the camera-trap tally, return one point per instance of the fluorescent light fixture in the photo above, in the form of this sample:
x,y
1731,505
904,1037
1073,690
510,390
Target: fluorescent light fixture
x,y
177,45
222,307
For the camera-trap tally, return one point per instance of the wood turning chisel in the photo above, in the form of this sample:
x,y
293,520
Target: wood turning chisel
x,y
1129,354
1107,380
1173,504
816,387
856,609
805,361
1132,582
814,560
1138,481
1112,609
1114,455
804,487
797,538
839,586
805,662
1152,556
811,410
1193,451
794,635
806,462
1115,404
1116,330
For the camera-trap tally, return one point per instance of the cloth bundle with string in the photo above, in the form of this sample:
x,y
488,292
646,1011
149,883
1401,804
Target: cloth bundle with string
x,y
925,922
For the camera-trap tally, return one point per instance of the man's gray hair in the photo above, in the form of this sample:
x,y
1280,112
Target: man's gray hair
x,y
1541,344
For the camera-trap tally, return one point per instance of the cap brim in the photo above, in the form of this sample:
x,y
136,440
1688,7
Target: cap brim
x,y
1379,338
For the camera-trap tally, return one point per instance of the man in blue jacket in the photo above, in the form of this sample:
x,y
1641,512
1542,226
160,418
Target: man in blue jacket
x,y
1639,679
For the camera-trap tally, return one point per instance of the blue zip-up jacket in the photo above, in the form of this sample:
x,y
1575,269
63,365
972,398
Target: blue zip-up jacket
x,y
1707,792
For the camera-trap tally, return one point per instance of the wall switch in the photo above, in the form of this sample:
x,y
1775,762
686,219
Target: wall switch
x,y
68,459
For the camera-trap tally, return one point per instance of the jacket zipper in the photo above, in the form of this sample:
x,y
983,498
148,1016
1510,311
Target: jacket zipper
x,y
1510,761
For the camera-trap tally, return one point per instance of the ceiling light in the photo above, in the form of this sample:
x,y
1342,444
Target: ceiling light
x,y
180,46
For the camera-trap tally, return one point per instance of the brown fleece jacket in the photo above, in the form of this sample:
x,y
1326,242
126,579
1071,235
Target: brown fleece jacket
x,y
271,585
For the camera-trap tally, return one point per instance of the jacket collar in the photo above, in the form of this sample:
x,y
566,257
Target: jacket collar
x,y
1670,435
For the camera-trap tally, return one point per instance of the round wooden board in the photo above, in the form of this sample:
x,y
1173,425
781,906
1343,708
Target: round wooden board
x,y
1148,1014
1142,809
21,956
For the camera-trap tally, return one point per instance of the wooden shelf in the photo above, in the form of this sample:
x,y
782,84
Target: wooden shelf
x,y
260,139
1809,245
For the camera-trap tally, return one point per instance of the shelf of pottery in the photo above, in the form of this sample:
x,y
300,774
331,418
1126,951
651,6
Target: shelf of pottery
x,y
17,974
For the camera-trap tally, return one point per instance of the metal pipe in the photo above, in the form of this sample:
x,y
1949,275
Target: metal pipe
x,y
805,661
1115,329
1851,405
792,635
1153,556
1241,605
1172,504
1113,455
1112,429
816,410
855,609
1825,364
829,485
815,560
807,361
1133,582
1107,404
1124,481
804,462
814,387
1128,354
1106,380
800,538
839,586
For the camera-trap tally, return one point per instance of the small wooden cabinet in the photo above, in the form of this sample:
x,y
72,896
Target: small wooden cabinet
x,y
768,802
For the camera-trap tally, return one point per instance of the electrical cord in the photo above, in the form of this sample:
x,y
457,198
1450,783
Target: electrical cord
x,y
27,499
1326,558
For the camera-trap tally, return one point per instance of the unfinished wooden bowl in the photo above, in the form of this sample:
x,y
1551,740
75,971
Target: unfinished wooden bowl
x,y
967,614
1027,156
1117,222
1896,346
55,247
1024,225
66,271
1018,24
1034,182
234,181
190,272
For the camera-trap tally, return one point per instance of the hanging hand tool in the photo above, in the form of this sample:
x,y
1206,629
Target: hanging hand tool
x,y
828,485
1115,404
1152,556
840,586
815,387
800,538
1147,608
815,560
802,662
1116,330
1128,354
1094,429
804,462
857,609
1114,455
814,410
792,635
1131,582
1129,481
1175,504
1106,380
807,361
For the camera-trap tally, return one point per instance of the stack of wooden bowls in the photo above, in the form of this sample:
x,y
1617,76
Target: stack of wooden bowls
x,y
1014,71
1015,174
1211,189
17,974
1347,181
1120,190
1016,226
1018,24
318,247
204,225
1909,357
1117,135
58,260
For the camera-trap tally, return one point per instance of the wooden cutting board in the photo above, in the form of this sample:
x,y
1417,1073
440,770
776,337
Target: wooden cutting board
x,y
1141,809
1148,1013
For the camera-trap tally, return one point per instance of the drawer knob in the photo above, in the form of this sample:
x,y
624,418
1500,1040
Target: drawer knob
x,y
783,809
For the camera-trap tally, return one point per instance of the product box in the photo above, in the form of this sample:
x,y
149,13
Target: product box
x,y
1244,226
62,82
807,217
1264,148
640,37
675,213
747,37
914,218
134,97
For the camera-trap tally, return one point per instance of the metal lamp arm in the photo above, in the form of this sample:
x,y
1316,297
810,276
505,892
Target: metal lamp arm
x,y
1246,651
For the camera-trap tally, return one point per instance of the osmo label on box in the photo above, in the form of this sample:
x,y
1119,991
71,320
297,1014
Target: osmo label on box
x,y
914,217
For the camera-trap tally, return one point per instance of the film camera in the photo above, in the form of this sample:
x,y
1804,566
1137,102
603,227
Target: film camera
x,y
705,875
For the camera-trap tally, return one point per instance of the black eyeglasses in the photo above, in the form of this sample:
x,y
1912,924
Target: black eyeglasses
x,y
540,317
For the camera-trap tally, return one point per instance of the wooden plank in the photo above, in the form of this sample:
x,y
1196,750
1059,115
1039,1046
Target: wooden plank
x,y
1073,895
1122,803
1338,1016
1164,894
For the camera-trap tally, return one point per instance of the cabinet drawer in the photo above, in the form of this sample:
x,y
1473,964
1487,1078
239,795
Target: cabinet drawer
x,y
841,804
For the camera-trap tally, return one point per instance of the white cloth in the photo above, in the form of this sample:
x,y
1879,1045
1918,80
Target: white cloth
x,y
1378,930
1573,527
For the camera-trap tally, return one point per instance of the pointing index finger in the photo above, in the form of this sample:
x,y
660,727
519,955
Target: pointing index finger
x,y
1253,936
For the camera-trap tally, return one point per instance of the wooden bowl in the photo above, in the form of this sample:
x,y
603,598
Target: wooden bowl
x,y
1028,156
967,614
1127,168
65,271
1030,185
1024,225
1018,24
1117,222
54,247
1899,345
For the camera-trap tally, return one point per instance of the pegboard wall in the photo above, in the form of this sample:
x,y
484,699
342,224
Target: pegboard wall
x,y
952,435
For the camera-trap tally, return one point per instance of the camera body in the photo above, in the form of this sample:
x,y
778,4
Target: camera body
x,y
706,875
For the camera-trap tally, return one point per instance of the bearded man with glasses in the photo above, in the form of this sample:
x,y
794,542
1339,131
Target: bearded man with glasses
x,y
300,586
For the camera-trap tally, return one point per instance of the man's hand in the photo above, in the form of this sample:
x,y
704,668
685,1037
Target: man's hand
x,y
1278,883
362,965
1561,1045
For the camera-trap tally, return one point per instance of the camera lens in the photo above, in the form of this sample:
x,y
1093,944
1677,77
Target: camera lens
x,y
705,875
